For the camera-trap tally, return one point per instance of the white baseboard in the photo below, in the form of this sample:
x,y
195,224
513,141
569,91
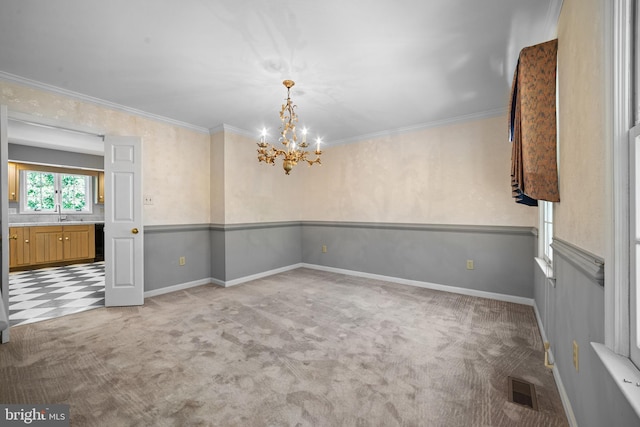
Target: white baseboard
x,y
543,334
218,282
427,285
177,287
245,279
564,397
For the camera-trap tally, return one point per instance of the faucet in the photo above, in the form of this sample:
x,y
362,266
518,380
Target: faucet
x,y
58,208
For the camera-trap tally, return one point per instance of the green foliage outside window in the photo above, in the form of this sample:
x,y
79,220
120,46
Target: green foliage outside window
x,y
74,189
40,191
43,187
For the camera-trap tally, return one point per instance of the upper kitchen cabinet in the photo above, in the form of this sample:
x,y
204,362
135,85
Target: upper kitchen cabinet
x,y
14,182
99,185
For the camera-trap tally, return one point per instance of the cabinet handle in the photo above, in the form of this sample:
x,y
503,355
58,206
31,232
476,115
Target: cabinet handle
x,y
13,237
60,238
26,241
66,238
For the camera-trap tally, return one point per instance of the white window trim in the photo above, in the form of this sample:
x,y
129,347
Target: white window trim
x,y
545,264
58,175
614,354
617,175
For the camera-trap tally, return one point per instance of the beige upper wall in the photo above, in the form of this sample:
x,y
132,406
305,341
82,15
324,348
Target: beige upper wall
x,y
580,216
217,178
175,159
257,192
457,174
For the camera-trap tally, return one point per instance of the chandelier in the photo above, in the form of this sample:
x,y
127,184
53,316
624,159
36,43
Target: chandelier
x,y
292,152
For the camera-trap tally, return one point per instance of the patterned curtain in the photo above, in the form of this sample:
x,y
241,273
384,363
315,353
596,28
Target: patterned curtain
x,y
532,125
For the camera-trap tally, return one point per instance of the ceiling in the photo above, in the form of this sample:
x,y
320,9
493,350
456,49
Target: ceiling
x,y
361,67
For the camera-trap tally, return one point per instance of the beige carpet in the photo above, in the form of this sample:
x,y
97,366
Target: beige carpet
x,y
302,348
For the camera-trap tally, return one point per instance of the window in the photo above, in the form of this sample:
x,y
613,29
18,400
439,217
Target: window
x,y
634,261
634,187
546,228
622,284
48,192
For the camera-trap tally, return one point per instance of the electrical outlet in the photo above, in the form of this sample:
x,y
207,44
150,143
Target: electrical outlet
x,y
576,350
324,249
148,200
182,260
469,264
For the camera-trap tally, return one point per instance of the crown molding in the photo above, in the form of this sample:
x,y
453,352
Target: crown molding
x,y
97,101
232,129
390,132
243,132
428,125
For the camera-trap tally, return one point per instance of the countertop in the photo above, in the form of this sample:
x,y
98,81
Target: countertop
x,y
42,224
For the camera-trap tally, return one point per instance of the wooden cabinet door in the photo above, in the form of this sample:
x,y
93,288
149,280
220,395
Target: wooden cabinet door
x,y
13,247
100,188
13,182
19,246
79,242
46,244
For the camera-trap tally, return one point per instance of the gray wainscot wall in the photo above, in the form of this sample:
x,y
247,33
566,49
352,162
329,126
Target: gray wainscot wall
x,y
429,254
163,247
243,251
435,254
571,307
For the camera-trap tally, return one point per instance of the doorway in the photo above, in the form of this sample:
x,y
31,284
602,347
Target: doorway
x,y
123,238
56,226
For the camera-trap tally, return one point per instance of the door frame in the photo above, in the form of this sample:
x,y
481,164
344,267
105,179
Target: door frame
x,y
4,215
5,117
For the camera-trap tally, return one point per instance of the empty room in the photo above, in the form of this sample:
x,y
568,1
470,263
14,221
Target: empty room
x,y
336,213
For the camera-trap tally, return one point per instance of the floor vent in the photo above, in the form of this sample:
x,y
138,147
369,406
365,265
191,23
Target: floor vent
x,y
522,393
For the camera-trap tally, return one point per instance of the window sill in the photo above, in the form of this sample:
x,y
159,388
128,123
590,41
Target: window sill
x,y
624,374
547,269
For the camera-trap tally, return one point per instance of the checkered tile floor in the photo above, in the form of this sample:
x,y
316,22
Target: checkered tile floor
x,y
53,292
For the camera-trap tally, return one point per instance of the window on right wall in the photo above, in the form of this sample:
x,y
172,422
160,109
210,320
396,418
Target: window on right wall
x,y
546,231
622,272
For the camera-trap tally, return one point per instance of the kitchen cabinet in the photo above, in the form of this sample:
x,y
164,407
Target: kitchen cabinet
x,y
14,182
50,244
46,244
19,247
79,242
99,199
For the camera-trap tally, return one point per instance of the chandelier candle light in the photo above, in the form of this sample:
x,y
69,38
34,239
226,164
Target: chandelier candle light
x,y
292,153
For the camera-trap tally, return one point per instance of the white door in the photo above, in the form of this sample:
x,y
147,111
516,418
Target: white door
x,y
4,216
123,232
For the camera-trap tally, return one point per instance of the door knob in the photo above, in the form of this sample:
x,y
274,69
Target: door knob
x,y
134,230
